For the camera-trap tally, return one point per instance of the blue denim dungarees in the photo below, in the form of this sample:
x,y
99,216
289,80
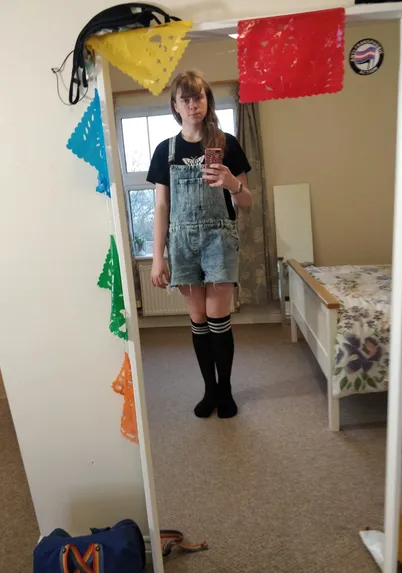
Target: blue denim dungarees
x,y
203,243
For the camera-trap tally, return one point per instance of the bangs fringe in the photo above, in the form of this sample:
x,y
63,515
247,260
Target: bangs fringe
x,y
190,85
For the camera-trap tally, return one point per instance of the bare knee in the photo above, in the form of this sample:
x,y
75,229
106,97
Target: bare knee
x,y
195,299
219,313
219,300
198,317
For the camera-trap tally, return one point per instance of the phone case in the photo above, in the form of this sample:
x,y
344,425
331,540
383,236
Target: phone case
x,y
213,155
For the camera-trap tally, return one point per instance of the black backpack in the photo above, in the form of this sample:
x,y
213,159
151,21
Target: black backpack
x,y
122,16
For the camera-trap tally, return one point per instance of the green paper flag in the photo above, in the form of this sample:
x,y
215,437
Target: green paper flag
x,y
110,278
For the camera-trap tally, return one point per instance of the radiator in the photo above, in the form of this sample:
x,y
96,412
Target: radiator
x,y
156,301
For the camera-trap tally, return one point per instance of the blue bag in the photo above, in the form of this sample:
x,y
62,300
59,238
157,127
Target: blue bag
x,y
117,549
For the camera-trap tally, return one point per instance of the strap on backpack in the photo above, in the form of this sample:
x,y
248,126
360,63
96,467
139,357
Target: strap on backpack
x,y
90,562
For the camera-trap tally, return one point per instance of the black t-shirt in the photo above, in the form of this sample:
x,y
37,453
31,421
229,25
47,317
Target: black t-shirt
x,y
187,153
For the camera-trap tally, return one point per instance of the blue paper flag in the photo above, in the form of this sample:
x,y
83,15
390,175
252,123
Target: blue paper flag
x,y
88,143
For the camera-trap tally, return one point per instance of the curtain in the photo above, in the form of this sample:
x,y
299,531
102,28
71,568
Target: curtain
x,y
137,284
258,265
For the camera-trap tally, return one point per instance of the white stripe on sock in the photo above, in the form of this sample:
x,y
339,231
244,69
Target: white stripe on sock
x,y
221,331
220,327
200,329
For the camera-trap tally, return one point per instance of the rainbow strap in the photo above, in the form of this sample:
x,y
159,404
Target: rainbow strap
x,y
88,563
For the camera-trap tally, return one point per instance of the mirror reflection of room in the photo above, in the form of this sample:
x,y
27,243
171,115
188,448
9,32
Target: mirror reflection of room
x,y
254,470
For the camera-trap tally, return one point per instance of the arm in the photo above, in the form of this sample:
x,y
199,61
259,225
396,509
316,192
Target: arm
x,y
161,220
160,273
219,175
243,199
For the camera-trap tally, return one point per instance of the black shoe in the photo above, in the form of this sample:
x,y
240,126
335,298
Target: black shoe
x,y
227,407
206,407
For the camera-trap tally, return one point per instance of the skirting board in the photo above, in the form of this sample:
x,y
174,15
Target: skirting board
x,y
272,317
268,315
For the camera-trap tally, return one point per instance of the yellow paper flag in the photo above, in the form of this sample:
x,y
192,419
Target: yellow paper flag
x,y
148,55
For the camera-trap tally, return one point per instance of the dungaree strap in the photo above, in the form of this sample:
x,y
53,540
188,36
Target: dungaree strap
x,y
172,150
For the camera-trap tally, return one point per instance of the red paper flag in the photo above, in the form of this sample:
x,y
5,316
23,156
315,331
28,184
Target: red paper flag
x,y
291,56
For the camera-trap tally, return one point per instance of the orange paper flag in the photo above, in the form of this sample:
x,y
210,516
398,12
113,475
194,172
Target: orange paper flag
x,y
124,385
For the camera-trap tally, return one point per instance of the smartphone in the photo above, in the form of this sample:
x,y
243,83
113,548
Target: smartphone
x,y
213,155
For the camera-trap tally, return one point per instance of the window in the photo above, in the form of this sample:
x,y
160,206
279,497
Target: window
x,y
139,132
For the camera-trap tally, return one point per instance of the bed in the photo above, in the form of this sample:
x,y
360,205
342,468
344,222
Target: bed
x,y
343,313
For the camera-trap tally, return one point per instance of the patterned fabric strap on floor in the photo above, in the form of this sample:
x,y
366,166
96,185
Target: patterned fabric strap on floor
x,y
171,538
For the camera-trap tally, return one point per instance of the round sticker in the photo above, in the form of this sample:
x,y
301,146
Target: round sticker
x,y
366,57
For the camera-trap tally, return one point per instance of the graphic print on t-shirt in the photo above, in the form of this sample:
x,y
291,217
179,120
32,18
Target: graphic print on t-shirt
x,y
193,160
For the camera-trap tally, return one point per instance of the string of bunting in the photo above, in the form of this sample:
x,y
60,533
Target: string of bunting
x,y
158,50
289,56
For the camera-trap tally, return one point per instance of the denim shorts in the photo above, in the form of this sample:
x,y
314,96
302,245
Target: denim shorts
x,y
204,252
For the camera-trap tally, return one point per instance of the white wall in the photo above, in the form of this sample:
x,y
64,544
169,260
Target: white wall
x,y
352,184
230,9
56,355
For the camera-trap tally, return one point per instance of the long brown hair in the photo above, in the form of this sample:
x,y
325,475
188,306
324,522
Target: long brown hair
x,y
191,84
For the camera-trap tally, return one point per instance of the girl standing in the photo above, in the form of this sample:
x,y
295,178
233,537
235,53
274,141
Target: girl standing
x,y
195,218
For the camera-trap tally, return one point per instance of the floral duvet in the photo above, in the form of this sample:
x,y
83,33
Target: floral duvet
x,y
363,333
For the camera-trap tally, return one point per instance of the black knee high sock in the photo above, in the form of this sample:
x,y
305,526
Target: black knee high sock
x,y
223,345
205,356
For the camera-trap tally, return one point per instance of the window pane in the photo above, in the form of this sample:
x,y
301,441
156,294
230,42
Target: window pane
x,y
136,146
161,127
226,120
142,203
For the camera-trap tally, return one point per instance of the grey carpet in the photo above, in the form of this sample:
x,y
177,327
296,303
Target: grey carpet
x,y
18,527
272,490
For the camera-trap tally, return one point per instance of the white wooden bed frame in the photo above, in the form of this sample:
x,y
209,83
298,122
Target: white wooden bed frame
x,y
315,311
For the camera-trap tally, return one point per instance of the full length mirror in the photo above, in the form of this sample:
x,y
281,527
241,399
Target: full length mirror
x,y
274,223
